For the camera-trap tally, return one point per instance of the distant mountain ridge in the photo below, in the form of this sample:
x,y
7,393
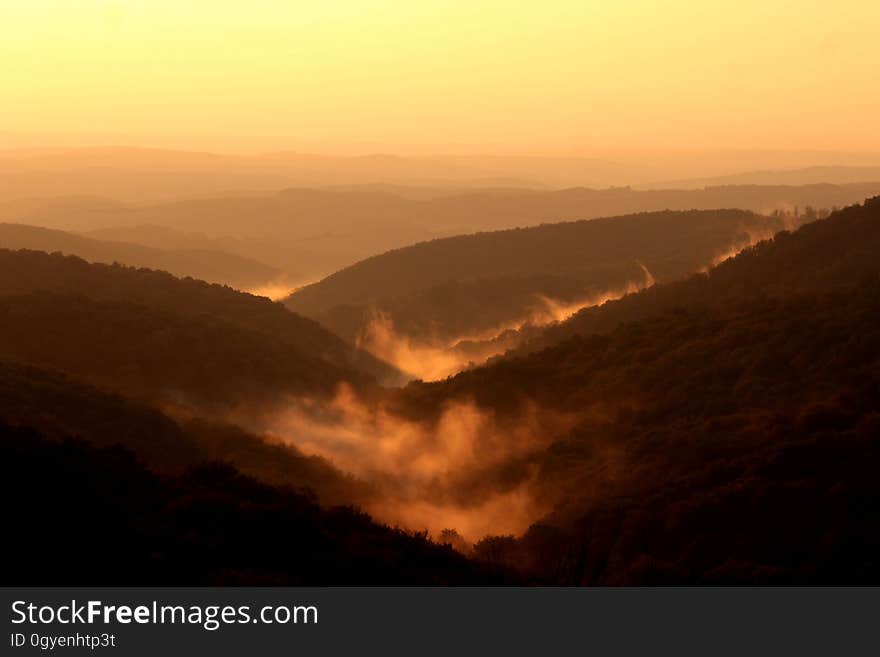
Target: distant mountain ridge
x,y
311,232
816,175
151,174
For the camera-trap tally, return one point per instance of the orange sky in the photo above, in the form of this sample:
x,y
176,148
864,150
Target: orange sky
x,y
434,76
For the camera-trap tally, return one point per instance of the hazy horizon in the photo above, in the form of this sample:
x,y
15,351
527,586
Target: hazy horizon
x,y
278,169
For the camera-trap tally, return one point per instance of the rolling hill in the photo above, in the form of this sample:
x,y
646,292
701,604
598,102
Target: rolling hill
x,y
459,295
821,256
195,330
668,243
207,265
726,435
58,406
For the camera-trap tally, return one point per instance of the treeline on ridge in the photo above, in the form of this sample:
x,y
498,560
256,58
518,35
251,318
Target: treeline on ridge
x,y
459,286
727,438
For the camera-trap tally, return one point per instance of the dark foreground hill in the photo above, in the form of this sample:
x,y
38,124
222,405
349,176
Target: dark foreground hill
x,y
729,437
139,498
58,406
211,525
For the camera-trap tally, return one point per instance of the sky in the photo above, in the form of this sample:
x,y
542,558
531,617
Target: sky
x,y
441,77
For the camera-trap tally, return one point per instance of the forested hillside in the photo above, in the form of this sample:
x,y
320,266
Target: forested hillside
x,y
821,256
210,525
728,437
182,315
668,243
59,406
128,346
476,287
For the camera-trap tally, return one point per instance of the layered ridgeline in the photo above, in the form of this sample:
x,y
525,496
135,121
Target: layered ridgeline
x,y
433,307
204,264
310,232
144,174
179,340
149,174
727,426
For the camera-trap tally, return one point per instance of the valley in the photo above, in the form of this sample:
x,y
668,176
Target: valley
x,y
504,403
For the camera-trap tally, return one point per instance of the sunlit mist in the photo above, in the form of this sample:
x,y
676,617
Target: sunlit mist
x,y
431,474
431,360
275,290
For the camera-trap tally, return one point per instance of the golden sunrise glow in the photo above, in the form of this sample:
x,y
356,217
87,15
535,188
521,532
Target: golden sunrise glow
x,y
436,76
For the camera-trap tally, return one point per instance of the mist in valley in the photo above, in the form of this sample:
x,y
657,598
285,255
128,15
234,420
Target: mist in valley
x,y
461,471
429,360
